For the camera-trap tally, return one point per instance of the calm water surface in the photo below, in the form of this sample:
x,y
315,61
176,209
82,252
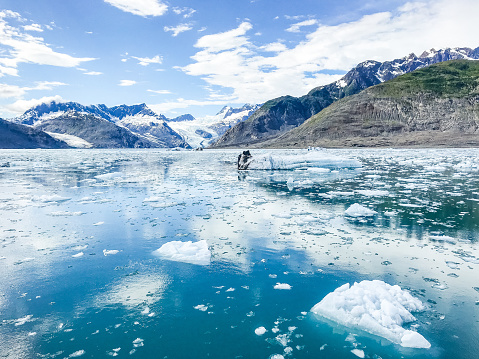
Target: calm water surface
x,y
79,279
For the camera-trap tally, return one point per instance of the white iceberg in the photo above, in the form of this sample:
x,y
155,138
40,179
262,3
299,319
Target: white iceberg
x,y
282,286
272,161
377,308
357,210
188,252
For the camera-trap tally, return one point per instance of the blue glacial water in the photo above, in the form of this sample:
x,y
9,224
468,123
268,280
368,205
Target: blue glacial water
x,y
79,278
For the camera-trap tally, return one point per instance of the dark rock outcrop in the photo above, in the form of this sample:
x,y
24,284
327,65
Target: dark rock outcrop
x,y
13,135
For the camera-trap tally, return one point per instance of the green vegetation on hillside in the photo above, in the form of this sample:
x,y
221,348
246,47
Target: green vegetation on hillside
x,y
457,78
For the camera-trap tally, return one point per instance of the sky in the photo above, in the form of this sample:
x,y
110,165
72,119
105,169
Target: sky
x,y
185,56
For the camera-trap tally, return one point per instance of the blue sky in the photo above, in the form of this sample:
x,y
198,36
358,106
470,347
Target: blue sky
x,y
197,56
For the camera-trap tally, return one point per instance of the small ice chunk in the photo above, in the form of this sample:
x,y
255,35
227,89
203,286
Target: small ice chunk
x,y
375,307
276,356
78,255
77,354
98,223
357,210
25,319
358,352
284,286
110,252
188,252
201,307
230,290
260,330
138,342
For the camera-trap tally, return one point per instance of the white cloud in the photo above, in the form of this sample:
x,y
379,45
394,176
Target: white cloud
x,y
297,27
93,73
127,83
21,106
161,92
20,47
9,91
231,61
33,27
176,30
181,103
145,61
185,11
225,40
140,7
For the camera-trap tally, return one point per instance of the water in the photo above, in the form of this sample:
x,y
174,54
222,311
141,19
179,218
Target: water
x,y
61,296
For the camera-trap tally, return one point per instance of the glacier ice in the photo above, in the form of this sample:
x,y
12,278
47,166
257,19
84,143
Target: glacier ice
x,y
375,307
272,161
188,252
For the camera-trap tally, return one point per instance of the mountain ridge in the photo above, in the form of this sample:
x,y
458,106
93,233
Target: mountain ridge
x,y
436,106
282,114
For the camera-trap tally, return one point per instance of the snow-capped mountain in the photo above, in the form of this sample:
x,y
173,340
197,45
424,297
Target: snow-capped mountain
x,y
202,132
140,120
282,114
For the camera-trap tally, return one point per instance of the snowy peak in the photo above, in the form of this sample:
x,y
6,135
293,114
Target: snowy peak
x,y
181,118
57,109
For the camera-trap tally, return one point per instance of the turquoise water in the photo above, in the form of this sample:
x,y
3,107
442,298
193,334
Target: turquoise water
x,y
262,228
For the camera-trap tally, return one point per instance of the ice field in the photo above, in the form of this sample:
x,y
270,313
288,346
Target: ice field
x,y
177,254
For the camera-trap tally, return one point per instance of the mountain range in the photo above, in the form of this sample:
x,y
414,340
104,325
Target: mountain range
x,y
136,126
70,124
282,114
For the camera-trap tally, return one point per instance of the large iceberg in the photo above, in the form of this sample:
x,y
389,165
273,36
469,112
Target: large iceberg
x,y
377,308
274,161
188,252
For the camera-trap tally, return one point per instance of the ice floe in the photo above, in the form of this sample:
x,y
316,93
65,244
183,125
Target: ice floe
x,y
375,307
272,161
110,252
283,286
260,330
188,252
357,210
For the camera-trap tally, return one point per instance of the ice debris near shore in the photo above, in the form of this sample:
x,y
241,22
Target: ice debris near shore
x,y
188,252
273,161
375,307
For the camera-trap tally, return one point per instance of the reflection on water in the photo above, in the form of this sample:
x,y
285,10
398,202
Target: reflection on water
x,y
78,229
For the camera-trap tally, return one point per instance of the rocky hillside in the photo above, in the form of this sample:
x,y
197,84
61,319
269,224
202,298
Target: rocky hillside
x,y
13,135
435,106
282,114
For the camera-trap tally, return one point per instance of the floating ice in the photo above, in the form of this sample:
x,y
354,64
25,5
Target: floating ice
x,y
77,354
284,286
110,252
375,307
357,210
358,352
138,342
98,223
188,252
50,198
373,193
260,330
78,255
201,307
25,319
272,161
109,176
